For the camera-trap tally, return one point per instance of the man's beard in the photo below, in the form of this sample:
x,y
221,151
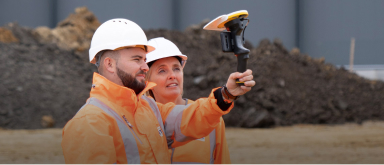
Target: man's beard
x,y
130,82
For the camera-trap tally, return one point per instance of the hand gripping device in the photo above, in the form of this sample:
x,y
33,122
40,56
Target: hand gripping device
x,y
232,40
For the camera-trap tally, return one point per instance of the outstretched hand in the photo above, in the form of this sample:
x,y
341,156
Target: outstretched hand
x,y
237,90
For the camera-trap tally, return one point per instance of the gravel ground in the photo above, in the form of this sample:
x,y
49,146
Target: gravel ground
x,y
339,144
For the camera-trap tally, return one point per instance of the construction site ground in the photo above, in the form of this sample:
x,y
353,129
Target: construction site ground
x,y
348,143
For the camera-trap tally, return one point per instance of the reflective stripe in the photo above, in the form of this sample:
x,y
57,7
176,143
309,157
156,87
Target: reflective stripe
x,y
212,137
173,152
82,107
212,147
130,145
187,163
212,144
172,125
155,110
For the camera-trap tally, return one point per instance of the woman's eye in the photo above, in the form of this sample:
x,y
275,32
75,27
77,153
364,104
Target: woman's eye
x,y
177,69
161,71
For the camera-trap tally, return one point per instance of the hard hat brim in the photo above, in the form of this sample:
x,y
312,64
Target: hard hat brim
x,y
113,47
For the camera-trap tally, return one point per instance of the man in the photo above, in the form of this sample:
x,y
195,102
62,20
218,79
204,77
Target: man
x,y
120,125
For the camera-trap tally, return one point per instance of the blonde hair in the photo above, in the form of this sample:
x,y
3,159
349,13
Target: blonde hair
x,y
149,92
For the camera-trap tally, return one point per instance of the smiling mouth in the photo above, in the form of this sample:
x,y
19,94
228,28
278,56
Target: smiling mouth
x,y
172,85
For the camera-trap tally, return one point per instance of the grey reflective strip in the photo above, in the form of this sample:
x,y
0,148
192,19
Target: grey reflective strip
x,y
172,125
82,107
155,110
212,144
130,145
173,152
212,147
187,163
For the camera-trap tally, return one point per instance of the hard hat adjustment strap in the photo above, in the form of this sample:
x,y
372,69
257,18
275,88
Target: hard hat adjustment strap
x,y
98,58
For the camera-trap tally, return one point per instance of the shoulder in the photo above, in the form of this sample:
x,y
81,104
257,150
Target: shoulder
x,y
90,115
90,110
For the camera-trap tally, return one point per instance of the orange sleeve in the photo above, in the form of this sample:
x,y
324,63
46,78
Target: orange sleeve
x,y
221,151
86,140
185,123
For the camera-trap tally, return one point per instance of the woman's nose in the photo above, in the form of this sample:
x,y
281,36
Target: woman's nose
x,y
171,76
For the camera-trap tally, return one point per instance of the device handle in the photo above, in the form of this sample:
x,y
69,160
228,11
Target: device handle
x,y
236,29
241,65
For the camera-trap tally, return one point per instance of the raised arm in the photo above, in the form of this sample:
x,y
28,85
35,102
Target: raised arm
x,y
183,123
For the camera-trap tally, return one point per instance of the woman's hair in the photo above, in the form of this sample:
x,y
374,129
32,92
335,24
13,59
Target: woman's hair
x,y
149,73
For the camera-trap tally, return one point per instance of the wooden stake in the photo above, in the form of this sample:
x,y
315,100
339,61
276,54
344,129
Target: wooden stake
x,y
351,54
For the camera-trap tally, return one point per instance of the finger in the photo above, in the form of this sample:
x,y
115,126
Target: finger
x,y
245,88
246,78
249,71
250,83
235,75
246,73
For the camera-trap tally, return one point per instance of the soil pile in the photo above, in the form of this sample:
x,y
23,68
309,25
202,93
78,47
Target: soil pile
x,y
43,79
291,87
45,75
73,33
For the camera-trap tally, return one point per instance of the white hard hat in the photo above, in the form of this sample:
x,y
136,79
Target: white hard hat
x,y
164,48
116,34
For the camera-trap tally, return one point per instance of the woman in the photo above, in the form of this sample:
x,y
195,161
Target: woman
x,y
166,65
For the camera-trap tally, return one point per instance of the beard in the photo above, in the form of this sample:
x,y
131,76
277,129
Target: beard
x,y
131,82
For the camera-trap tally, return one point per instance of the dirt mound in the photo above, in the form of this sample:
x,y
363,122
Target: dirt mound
x,y
39,79
73,33
291,87
47,73
6,36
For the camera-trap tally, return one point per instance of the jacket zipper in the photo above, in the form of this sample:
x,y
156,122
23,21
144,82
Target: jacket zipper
x,y
131,128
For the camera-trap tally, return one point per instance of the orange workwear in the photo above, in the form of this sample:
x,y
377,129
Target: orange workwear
x,y
208,150
118,126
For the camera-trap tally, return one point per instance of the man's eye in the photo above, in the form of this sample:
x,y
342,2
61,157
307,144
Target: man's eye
x,y
177,69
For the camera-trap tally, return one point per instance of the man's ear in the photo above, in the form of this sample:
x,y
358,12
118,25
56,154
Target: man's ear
x,y
109,64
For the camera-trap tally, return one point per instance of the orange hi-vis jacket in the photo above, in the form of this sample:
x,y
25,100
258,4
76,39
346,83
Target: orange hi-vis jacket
x,y
118,126
212,149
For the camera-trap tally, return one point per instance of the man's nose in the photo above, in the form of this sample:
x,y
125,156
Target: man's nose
x,y
145,67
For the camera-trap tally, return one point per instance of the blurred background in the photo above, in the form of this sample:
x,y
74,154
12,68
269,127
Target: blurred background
x,y
302,76
321,28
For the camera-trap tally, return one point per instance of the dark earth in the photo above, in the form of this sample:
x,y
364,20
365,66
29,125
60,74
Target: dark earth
x,y
46,77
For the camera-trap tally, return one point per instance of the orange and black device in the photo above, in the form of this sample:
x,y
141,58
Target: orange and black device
x,y
232,40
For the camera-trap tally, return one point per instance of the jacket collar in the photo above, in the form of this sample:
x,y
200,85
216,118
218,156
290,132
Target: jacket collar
x,y
113,94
